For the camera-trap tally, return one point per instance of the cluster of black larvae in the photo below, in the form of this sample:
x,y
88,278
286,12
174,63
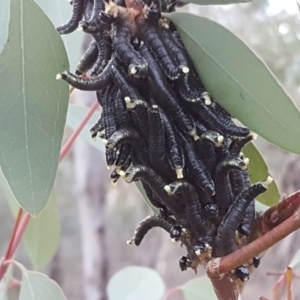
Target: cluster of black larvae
x,y
160,126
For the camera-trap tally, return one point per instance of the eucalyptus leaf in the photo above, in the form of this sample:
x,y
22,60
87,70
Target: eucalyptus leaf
x,y
259,207
9,196
295,263
37,286
214,2
4,18
33,105
198,289
75,115
136,283
258,171
5,283
13,293
59,13
240,81
42,233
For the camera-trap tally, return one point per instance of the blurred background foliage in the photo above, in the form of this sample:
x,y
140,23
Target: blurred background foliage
x,y
97,219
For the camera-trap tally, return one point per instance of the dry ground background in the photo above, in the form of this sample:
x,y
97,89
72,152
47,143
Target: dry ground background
x,y
97,219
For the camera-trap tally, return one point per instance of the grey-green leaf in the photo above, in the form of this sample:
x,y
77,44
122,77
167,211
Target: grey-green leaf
x,y
59,13
37,286
33,105
258,171
240,81
136,283
214,2
4,284
4,4
75,115
198,289
295,263
41,236
260,208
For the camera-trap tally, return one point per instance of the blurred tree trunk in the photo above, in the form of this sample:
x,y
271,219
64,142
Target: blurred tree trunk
x,y
91,192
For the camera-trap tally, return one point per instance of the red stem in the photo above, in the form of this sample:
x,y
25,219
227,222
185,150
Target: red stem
x,y
11,241
9,252
171,293
21,223
77,131
19,234
13,283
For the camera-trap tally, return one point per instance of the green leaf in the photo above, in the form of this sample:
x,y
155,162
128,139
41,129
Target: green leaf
x,y
260,208
136,283
295,263
258,171
214,2
75,115
198,289
59,13
5,283
37,286
41,237
33,105
4,18
13,293
240,81
9,196
42,234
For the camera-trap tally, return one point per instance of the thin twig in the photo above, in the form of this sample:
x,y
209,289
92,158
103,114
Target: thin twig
x,y
9,251
65,149
19,234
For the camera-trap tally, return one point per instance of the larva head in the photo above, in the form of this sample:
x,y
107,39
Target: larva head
x,y
131,242
110,144
255,261
140,70
132,103
184,69
131,174
173,187
213,137
175,233
237,163
211,210
193,134
183,263
244,229
242,273
206,98
179,172
267,182
164,212
201,247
